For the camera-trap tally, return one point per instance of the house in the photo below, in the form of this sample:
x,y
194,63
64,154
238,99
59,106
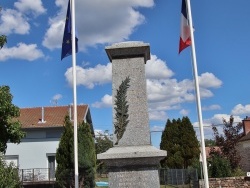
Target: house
x,y
243,146
35,155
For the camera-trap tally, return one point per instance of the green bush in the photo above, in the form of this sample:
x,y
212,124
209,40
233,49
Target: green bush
x,y
9,175
219,167
238,172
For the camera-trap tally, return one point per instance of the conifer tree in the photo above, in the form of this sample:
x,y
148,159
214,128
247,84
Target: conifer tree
x,y
170,143
189,142
65,157
86,156
180,141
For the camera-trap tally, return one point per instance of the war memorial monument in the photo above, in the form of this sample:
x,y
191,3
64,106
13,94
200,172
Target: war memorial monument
x,y
133,162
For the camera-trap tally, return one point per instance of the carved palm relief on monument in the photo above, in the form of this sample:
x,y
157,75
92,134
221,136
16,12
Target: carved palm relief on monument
x,y
121,108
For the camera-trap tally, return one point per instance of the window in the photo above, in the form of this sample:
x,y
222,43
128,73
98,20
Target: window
x,y
11,159
52,166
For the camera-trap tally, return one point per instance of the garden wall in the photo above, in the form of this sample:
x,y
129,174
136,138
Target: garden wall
x,y
230,182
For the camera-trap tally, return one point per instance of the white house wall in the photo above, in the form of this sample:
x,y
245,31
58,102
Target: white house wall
x,y
33,153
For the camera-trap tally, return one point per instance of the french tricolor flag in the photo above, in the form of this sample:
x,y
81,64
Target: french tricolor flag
x,y
185,38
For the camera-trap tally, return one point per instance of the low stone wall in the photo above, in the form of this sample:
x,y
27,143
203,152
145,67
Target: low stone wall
x,y
230,182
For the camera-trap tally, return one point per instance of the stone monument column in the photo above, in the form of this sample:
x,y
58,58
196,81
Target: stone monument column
x,y
133,161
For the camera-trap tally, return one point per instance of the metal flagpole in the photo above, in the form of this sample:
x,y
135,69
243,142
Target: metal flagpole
x,y
197,95
74,91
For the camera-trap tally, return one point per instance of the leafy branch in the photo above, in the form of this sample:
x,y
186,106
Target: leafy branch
x,y
121,108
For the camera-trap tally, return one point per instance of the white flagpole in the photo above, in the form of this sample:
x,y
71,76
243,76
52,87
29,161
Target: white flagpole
x,y
74,91
197,95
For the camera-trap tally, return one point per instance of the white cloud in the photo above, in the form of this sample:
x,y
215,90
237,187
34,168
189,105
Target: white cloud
x,y
157,69
164,93
157,115
157,128
23,51
121,19
57,97
184,112
239,109
13,21
170,90
90,77
26,6
106,101
211,107
216,120
52,38
205,93
208,80
98,132
17,20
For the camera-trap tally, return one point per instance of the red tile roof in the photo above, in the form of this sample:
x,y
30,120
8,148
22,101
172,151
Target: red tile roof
x,y
208,149
53,116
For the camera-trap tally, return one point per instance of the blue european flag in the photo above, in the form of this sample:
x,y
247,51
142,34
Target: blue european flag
x,y
67,39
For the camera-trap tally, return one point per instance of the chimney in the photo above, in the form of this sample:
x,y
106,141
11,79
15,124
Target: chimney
x,y
246,125
42,119
70,113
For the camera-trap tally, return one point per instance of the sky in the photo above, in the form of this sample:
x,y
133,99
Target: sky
x,y
30,63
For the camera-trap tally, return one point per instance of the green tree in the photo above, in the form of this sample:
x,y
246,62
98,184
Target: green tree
x,y
179,140
9,175
189,143
3,40
65,157
227,141
170,143
86,156
209,142
102,144
10,128
218,166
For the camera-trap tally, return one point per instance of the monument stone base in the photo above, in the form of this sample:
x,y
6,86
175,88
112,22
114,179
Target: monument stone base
x,y
133,166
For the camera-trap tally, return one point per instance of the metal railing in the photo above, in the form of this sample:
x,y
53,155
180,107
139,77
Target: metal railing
x,y
179,177
36,175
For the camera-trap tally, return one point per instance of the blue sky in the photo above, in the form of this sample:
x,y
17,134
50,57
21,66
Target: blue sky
x,y
30,62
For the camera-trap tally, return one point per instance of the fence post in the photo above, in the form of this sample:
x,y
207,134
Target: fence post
x,y
183,182
164,177
176,177
171,172
49,173
33,175
22,176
